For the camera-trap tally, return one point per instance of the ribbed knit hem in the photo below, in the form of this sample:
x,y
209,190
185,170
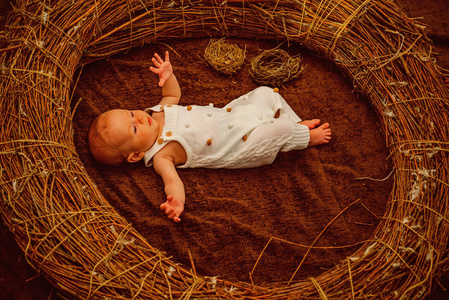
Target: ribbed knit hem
x,y
300,138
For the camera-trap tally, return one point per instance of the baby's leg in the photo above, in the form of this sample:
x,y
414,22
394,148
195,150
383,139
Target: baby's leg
x,y
318,135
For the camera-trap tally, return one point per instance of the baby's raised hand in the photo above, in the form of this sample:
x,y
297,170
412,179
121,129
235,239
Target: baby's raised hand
x,y
162,67
173,208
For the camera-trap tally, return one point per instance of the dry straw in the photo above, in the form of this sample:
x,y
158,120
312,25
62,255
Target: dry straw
x,y
72,236
274,67
224,57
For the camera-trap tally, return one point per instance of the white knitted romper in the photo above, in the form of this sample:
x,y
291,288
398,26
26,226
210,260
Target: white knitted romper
x,y
243,134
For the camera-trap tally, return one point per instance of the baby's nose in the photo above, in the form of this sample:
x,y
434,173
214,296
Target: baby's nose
x,y
140,119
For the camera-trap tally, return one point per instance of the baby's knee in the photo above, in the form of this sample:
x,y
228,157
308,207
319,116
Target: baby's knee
x,y
264,89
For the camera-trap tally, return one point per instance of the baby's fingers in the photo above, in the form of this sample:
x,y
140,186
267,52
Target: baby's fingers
x,y
167,208
156,62
170,212
158,58
174,216
154,70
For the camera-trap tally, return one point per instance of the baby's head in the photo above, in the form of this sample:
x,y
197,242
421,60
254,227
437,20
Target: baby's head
x,y
118,136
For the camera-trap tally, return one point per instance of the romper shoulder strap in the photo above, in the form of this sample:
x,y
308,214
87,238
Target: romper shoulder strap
x,y
160,143
156,108
150,153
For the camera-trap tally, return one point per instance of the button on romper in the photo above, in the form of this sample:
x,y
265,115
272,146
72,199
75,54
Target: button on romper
x,y
246,133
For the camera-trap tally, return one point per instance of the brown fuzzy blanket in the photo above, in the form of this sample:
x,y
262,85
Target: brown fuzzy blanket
x,y
231,214
245,224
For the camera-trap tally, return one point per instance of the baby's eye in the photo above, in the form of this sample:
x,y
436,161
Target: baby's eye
x,y
135,129
132,114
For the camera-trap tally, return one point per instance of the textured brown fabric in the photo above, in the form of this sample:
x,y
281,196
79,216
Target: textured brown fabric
x,y
230,215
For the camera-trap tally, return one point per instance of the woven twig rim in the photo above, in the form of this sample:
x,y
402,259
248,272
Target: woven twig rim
x,y
73,237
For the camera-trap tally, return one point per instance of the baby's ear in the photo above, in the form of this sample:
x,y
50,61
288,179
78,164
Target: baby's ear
x,y
135,157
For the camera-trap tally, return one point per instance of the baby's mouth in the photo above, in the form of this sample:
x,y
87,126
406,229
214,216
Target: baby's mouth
x,y
149,121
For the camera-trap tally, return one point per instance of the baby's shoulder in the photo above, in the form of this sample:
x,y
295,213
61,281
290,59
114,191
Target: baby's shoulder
x,y
173,151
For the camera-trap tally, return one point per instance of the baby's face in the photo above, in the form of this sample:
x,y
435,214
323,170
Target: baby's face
x,y
134,130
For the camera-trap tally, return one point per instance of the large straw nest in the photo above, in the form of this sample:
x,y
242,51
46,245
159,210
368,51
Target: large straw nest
x,y
275,66
73,237
224,57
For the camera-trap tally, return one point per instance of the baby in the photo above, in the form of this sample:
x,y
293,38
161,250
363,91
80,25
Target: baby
x,y
247,132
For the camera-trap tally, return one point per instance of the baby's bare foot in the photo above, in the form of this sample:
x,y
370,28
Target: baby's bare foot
x,y
320,135
311,123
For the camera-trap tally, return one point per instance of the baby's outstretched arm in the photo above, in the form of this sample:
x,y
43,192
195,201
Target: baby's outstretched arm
x,y
174,188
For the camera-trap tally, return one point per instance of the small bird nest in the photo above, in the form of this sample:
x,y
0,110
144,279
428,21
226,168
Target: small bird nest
x,y
274,67
224,57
